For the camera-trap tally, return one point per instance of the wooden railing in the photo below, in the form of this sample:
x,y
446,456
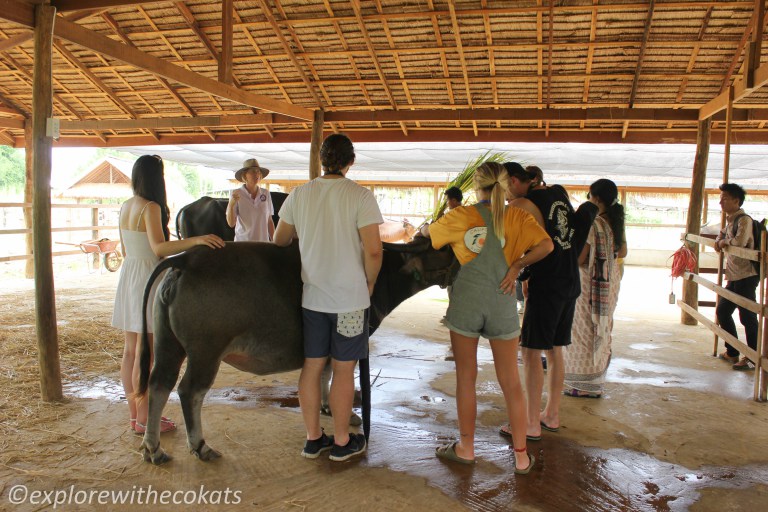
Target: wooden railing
x,y
758,356
95,229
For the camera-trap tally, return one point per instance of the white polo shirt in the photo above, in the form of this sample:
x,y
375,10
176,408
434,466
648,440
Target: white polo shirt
x,y
253,215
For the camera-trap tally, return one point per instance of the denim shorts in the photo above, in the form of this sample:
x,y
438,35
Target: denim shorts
x,y
343,336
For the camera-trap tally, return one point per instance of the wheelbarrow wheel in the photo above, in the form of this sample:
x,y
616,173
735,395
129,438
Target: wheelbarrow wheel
x,y
112,261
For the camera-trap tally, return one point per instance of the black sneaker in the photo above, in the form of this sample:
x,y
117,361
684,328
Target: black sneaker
x,y
355,446
313,449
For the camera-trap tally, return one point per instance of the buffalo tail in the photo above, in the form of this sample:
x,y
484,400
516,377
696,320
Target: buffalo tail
x,y
146,353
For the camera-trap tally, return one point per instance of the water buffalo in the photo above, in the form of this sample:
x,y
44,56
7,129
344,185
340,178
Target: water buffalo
x,y
242,305
208,215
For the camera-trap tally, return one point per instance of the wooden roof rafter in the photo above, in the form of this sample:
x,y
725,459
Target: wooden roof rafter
x,y
353,65
162,81
373,55
639,67
462,59
68,56
551,36
398,65
443,59
590,54
491,60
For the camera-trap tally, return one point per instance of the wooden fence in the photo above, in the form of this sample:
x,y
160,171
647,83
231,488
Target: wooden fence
x,y
758,356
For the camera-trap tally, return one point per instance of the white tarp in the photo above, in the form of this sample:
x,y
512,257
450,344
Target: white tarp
x,y
628,164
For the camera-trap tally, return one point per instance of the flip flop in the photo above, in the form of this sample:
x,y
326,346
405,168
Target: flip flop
x,y
528,469
548,428
448,452
506,433
580,394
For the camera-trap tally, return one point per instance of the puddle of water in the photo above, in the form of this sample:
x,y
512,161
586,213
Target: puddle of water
x,y
100,389
730,384
643,346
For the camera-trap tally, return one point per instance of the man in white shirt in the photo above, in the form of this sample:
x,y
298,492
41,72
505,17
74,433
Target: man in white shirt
x,y
337,224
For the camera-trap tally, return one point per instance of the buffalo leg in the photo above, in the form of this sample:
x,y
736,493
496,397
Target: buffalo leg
x,y
197,380
168,358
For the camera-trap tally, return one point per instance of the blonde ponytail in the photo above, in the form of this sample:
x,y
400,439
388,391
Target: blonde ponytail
x,y
492,178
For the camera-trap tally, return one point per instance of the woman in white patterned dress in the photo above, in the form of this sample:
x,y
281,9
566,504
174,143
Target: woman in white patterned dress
x,y
144,237
588,356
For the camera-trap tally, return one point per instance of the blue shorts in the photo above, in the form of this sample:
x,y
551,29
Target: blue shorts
x,y
343,336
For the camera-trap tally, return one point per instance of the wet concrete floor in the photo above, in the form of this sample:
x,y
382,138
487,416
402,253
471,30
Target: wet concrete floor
x,y
676,429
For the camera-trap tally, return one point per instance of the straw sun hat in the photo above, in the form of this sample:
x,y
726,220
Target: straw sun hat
x,y
249,164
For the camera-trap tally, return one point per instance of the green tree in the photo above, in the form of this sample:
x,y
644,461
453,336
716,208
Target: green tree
x,y
11,168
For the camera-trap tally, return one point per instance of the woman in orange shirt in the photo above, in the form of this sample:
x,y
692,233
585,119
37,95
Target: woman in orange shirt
x,y
493,243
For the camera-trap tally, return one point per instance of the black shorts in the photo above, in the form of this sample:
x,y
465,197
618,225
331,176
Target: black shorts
x,y
547,321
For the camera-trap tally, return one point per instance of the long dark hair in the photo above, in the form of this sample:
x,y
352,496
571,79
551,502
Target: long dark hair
x,y
608,193
148,181
531,174
336,153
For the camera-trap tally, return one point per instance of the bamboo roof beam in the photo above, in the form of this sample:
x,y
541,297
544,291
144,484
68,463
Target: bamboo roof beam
x,y
353,65
462,59
21,38
162,81
307,61
373,55
398,65
643,46
549,58
694,56
540,57
22,13
491,58
590,54
225,57
265,9
192,23
277,82
755,48
443,59
97,82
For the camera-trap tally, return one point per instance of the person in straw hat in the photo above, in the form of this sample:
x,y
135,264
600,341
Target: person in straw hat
x,y
250,208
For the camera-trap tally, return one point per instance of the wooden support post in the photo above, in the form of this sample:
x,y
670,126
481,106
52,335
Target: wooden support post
x,y
29,268
726,174
755,47
96,264
695,203
314,147
225,57
45,301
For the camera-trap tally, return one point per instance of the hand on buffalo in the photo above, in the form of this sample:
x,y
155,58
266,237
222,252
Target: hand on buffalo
x,y
212,241
235,196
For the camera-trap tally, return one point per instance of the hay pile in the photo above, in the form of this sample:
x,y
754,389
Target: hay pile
x,y
90,349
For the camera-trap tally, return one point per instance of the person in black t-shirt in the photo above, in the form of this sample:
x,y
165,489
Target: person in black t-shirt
x,y
553,287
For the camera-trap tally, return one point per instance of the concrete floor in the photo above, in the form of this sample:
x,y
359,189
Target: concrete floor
x,y
676,430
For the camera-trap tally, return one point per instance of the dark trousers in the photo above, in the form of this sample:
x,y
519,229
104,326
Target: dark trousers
x,y
746,288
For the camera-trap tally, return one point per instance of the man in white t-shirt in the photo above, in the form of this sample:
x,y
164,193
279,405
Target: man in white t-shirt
x,y
337,224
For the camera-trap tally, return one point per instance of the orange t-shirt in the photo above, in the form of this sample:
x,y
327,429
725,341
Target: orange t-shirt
x,y
521,232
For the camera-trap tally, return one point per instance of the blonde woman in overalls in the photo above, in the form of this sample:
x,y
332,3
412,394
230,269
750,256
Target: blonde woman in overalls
x,y
493,243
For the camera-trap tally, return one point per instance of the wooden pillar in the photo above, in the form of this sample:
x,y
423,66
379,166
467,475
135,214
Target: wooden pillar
x,y
726,174
29,268
225,57
317,141
695,204
45,301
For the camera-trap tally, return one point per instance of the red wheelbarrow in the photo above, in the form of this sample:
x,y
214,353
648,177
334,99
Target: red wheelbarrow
x,y
110,254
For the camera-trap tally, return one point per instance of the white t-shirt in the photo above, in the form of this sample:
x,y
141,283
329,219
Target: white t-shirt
x,y
327,214
253,214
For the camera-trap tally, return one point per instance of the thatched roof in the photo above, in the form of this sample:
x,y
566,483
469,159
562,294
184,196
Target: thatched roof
x,y
128,72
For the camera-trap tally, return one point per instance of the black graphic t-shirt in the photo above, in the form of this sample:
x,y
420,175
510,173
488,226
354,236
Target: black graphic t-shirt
x,y
558,273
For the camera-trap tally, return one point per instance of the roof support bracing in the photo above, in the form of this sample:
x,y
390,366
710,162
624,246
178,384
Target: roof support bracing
x,y
225,58
19,39
462,58
755,48
98,43
643,46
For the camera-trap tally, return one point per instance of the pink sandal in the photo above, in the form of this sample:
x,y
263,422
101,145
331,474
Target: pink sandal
x,y
166,425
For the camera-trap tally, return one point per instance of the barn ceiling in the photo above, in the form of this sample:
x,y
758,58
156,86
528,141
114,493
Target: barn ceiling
x,y
130,72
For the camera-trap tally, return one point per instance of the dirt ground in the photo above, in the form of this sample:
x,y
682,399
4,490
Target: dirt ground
x,y
676,429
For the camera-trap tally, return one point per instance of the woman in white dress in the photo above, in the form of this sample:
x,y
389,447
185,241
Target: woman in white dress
x,y
144,237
